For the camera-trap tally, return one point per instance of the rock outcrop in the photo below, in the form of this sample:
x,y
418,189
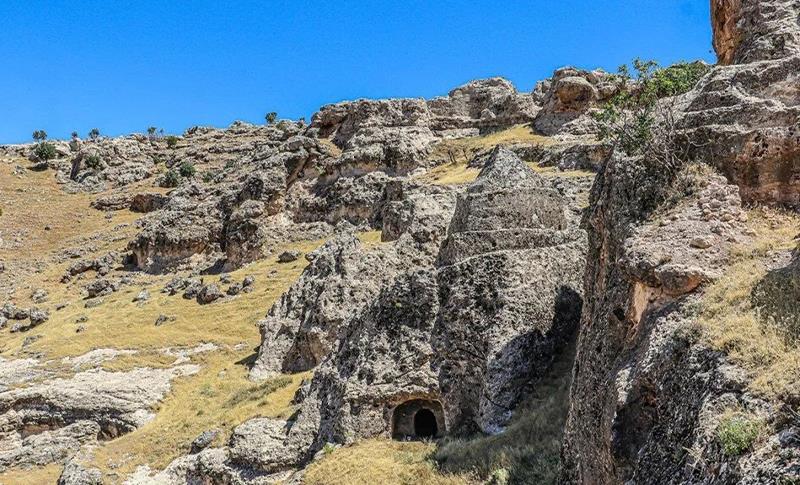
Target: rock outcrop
x,y
567,98
48,422
743,118
509,276
463,339
749,31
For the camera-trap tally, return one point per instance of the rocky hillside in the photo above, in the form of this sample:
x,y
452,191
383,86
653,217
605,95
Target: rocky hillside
x,y
486,287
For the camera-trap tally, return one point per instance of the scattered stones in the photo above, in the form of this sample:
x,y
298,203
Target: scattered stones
x,y
162,319
288,256
209,294
142,296
94,302
100,287
192,288
39,296
176,285
234,289
38,317
12,312
203,440
702,242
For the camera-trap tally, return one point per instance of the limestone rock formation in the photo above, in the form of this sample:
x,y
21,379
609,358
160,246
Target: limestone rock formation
x,y
461,341
341,283
48,422
567,98
743,118
509,277
750,31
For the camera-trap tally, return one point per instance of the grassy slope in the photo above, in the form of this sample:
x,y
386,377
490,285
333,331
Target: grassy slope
x,y
381,461
732,320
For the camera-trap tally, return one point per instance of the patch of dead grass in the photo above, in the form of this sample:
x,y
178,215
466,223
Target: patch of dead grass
x,y
381,461
732,322
31,476
454,155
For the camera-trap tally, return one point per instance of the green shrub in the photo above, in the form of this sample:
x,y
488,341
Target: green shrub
x,y
94,162
40,135
172,141
208,176
737,432
678,78
638,120
271,117
45,151
187,170
94,134
170,179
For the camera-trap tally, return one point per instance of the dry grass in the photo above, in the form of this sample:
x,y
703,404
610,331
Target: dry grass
x,y
219,397
734,322
119,323
462,150
31,476
381,461
34,200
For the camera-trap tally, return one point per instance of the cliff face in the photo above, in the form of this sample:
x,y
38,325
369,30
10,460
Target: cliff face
x,y
750,31
743,117
649,395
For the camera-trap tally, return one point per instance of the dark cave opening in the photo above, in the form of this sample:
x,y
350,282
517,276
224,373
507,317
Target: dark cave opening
x,y
425,424
418,419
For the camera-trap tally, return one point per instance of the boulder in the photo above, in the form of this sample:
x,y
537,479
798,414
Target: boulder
x,y
209,294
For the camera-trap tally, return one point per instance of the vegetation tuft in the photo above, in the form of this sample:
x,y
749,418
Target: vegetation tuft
x,y
94,162
638,120
737,431
45,151
187,169
171,178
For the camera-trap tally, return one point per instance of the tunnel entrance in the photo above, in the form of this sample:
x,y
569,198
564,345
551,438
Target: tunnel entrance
x,y
425,424
418,419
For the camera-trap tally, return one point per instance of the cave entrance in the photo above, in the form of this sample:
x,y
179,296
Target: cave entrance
x,y
418,419
425,424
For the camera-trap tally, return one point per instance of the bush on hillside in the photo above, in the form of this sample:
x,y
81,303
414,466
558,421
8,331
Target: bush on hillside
x,y
737,433
45,151
187,170
640,119
172,141
94,162
170,179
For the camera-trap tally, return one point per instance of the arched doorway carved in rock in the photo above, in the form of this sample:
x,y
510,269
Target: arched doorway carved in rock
x,y
418,419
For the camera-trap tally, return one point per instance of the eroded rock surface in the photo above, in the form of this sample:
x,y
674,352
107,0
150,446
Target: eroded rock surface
x,y
743,118
48,422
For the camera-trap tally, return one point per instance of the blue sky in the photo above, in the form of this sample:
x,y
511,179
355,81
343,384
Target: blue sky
x,y
122,65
